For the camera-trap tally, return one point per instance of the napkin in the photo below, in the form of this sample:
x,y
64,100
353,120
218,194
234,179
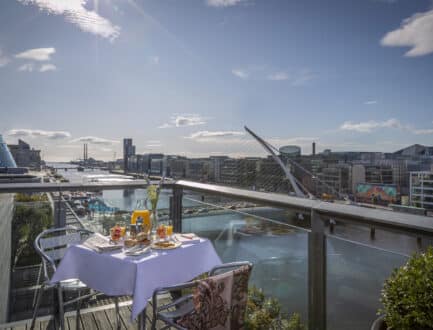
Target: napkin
x,y
100,243
187,238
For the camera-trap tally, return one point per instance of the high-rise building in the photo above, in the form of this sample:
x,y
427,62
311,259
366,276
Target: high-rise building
x,y
215,167
128,150
25,156
176,166
379,174
156,164
198,169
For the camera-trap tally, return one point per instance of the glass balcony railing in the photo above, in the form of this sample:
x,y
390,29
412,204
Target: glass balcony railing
x,y
325,261
260,234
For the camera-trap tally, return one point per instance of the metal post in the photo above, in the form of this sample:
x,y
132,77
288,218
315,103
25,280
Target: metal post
x,y
176,208
419,243
317,273
59,213
372,233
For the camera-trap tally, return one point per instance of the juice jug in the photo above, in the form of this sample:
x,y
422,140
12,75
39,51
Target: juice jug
x,y
143,217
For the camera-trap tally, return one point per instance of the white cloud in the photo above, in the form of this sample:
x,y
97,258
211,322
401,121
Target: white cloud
x,y
95,140
154,60
75,12
37,54
223,3
423,131
278,76
4,60
415,32
153,145
52,135
302,77
369,126
166,125
296,77
26,67
47,67
240,73
370,102
214,134
184,121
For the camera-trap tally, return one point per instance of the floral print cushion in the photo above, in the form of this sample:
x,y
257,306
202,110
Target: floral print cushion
x,y
219,302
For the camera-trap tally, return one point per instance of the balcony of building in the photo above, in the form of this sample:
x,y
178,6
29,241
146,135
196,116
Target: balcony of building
x,y
325,261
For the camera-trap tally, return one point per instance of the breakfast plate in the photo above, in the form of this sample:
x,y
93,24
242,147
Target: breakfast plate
x,y
165,245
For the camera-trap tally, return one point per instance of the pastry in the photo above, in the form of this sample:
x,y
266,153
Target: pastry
x,y
165,244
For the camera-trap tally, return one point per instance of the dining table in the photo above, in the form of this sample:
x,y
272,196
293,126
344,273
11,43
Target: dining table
x,y
116,274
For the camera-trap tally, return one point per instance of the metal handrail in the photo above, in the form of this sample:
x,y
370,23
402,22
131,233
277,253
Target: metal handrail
x,y
390,220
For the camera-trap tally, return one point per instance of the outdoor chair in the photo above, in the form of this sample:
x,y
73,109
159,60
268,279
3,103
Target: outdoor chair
x,y
51,245
218,301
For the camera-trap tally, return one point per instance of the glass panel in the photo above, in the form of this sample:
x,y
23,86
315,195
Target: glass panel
x,y
355,275
261,235
102,210
31,215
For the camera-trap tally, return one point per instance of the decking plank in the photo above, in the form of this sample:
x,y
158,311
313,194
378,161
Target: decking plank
x,y
125,314
102,319
88,321
102,322
48,325
110,314
72,323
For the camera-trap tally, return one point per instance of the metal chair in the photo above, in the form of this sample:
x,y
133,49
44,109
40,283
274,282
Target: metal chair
x,y
183,306
51,245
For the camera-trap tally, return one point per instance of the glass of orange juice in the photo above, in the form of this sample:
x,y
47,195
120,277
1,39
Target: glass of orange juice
x,y
169,230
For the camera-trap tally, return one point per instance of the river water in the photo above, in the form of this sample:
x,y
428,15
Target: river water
x,y
355,273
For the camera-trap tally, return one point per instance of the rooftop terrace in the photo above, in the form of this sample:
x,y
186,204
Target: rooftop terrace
x,y
326,261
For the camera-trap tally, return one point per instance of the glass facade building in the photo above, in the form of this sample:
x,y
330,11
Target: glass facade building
x,y
6,159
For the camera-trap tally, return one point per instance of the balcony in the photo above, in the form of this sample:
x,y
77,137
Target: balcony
x,y
325,261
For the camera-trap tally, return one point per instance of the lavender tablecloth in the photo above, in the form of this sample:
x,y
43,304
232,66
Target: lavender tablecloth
x,y
115,274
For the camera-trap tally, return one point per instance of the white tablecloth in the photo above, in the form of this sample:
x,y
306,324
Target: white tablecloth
x,y
116,274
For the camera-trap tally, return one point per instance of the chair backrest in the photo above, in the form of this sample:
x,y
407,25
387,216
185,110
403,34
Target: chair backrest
x,y
220,300
52,244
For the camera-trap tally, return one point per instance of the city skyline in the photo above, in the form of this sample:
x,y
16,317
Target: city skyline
x,y
74,72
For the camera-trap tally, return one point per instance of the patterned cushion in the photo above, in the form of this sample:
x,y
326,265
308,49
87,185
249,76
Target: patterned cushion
x,y
219,302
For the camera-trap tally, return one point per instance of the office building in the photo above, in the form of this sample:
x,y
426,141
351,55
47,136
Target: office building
x,y
128,151
421,189
25,156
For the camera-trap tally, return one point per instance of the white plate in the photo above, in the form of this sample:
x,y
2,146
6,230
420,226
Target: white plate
x,y
174,246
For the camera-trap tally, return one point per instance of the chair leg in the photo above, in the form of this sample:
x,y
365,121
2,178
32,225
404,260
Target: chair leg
x,y
38,301
61,308
116,304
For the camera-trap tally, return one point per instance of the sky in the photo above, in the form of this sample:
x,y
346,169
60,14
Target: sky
x,y
185,76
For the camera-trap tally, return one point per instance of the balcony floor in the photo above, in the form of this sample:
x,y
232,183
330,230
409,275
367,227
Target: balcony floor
x,y
96,318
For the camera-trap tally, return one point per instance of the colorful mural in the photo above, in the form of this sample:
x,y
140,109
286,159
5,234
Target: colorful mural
x,y
376,193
